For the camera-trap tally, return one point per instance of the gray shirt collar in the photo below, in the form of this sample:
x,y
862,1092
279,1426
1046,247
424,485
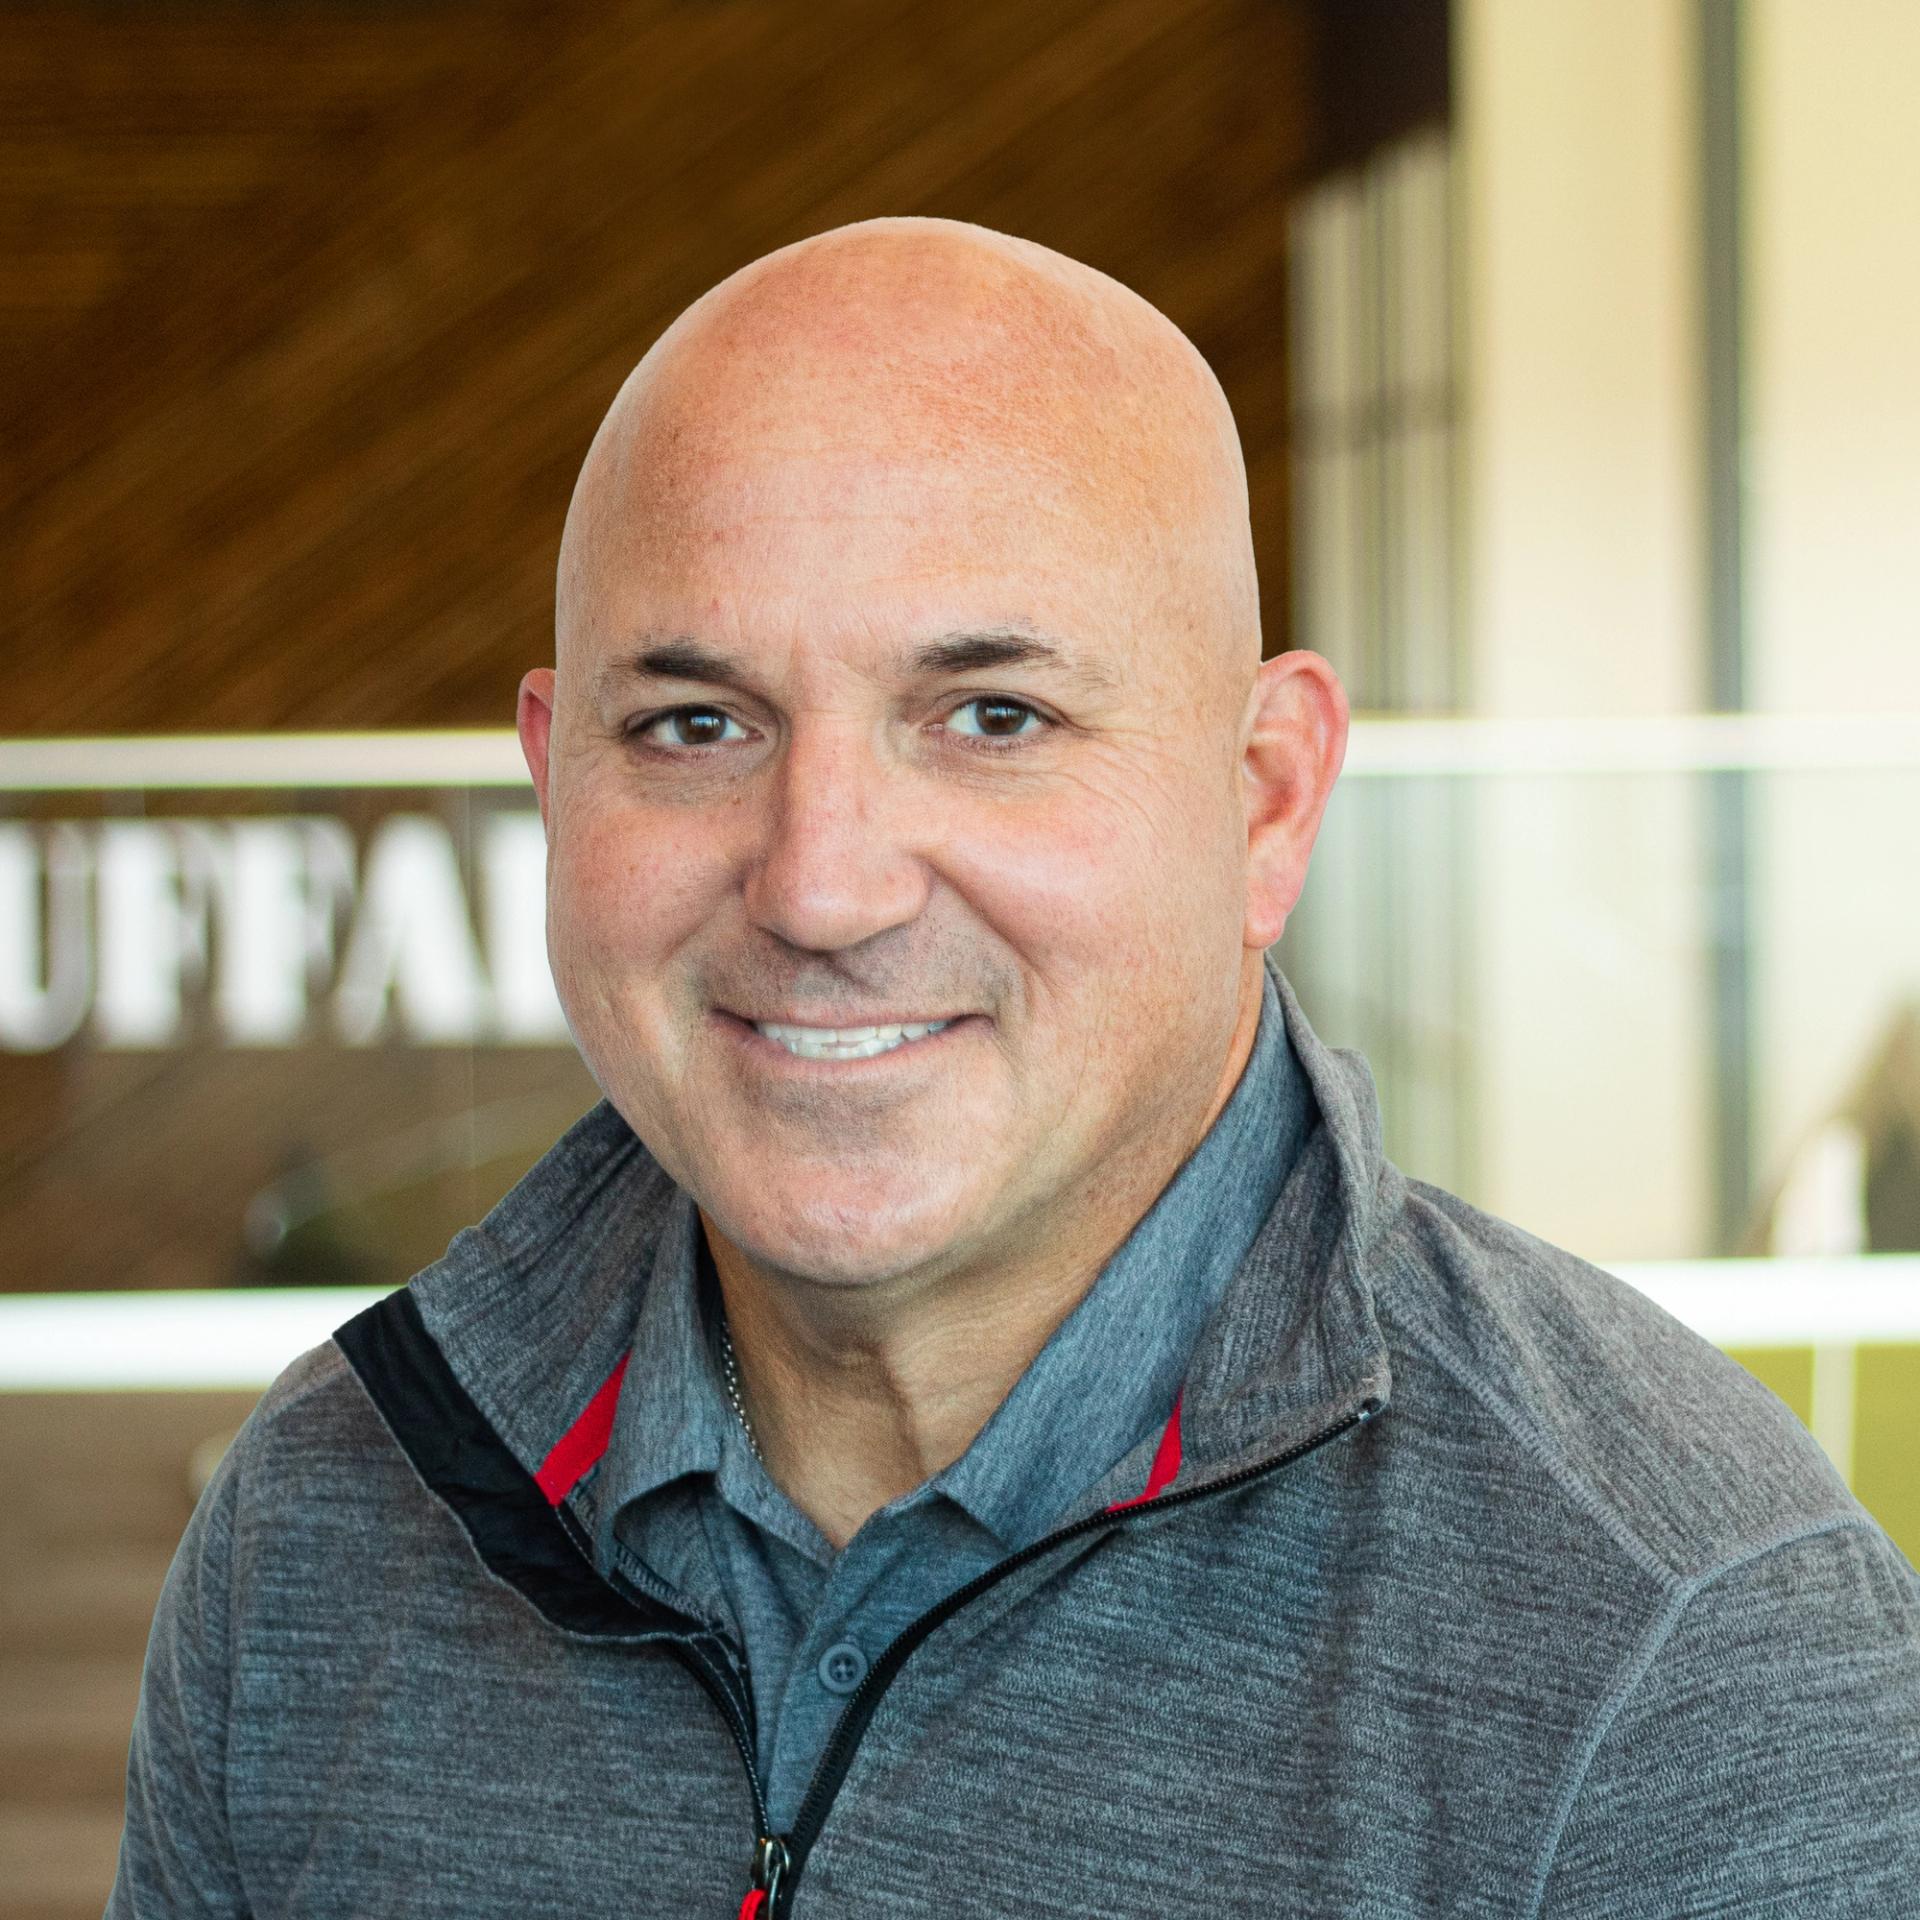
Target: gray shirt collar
x,y
1105,1379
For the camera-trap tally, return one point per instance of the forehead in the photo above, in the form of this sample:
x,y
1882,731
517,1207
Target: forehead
x,y
856,542
940,450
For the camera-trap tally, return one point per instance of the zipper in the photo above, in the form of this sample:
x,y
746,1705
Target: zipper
x,y
687,1648
770,1862
722,1697
779,1858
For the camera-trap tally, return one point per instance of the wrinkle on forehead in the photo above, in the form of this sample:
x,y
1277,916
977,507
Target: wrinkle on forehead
x,y
937,348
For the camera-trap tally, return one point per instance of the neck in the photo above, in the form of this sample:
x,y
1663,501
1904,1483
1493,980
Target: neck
x,y
858,1395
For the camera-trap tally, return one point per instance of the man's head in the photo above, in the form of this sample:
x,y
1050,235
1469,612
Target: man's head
x,y
908,670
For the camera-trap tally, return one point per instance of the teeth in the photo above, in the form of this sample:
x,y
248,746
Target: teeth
x,y
846,1043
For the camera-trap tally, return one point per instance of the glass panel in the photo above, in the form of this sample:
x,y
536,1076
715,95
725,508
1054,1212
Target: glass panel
x,y
269,1038
1525,960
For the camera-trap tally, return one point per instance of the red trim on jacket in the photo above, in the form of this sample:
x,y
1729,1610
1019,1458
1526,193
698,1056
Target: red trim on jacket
x,y
578,1450
1166,1462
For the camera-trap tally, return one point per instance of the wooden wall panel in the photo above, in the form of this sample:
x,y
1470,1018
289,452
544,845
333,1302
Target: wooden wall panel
x,y
293,411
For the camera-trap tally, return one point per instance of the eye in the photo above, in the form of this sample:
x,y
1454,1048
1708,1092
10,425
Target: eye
x,y
688,727
997,718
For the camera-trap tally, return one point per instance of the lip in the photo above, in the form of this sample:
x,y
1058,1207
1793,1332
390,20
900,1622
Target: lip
x,y
836,1021
744,1033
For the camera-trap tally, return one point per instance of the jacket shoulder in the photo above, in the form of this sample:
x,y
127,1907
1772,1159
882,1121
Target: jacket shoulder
x,y
1669,1443
314,1444
316,1391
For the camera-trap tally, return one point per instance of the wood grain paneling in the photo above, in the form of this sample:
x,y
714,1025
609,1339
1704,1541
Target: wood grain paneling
x,y
319,306
99,1487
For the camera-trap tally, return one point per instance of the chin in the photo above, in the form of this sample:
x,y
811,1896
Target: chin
x,y
851,1238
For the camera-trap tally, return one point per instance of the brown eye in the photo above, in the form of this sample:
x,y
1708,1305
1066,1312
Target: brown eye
x,y
688,727
997,719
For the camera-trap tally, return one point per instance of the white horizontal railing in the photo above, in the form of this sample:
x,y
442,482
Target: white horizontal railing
x,y
232,1337
1790,1301
223,762
220,1337
1379,746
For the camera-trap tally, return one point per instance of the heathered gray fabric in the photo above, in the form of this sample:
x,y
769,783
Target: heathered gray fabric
x,y
690,1502
1581,1623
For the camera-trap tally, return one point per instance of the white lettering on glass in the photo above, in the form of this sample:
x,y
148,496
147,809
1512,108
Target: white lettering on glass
x,y
514,890
273,932
46,936
153,888
412,946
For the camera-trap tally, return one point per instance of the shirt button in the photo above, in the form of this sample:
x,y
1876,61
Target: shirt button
x,y
842,1667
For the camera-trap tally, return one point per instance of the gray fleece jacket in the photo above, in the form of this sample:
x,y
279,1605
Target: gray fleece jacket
x,y
1470,1584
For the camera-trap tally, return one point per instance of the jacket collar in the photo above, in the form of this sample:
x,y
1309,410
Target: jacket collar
x,y
531,1314
1294,1345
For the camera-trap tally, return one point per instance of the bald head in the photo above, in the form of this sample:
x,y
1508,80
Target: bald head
x,y
990,389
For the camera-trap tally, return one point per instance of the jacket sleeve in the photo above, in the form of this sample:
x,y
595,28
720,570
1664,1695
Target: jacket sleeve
x,y
176,1855
1764,1759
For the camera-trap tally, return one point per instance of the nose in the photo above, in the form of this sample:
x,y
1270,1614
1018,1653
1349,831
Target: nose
x,y
833,865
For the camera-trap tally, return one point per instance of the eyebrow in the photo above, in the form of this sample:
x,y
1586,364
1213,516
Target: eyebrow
x,y
683,658
1004,647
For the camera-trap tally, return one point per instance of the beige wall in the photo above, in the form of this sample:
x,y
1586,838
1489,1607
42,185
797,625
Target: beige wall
x,y
1833,474
1577,164
1580,493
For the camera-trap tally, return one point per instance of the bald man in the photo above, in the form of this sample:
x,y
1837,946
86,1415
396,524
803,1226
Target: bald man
x,y
972,1423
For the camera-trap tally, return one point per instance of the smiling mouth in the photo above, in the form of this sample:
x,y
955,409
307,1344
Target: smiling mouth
x,y
846,1043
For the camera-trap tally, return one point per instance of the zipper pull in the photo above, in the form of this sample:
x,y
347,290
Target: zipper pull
x,y
770,1861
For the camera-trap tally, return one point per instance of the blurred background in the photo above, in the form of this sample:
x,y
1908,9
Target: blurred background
x,y
1573,350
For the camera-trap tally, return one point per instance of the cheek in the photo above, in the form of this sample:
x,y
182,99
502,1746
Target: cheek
x,y
625,889
1119,889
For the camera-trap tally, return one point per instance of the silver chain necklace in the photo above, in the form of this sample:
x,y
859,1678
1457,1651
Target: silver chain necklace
x,y
730,1369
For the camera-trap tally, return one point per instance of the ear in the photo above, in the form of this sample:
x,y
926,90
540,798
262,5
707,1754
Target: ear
x,y
1296,739
534,718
